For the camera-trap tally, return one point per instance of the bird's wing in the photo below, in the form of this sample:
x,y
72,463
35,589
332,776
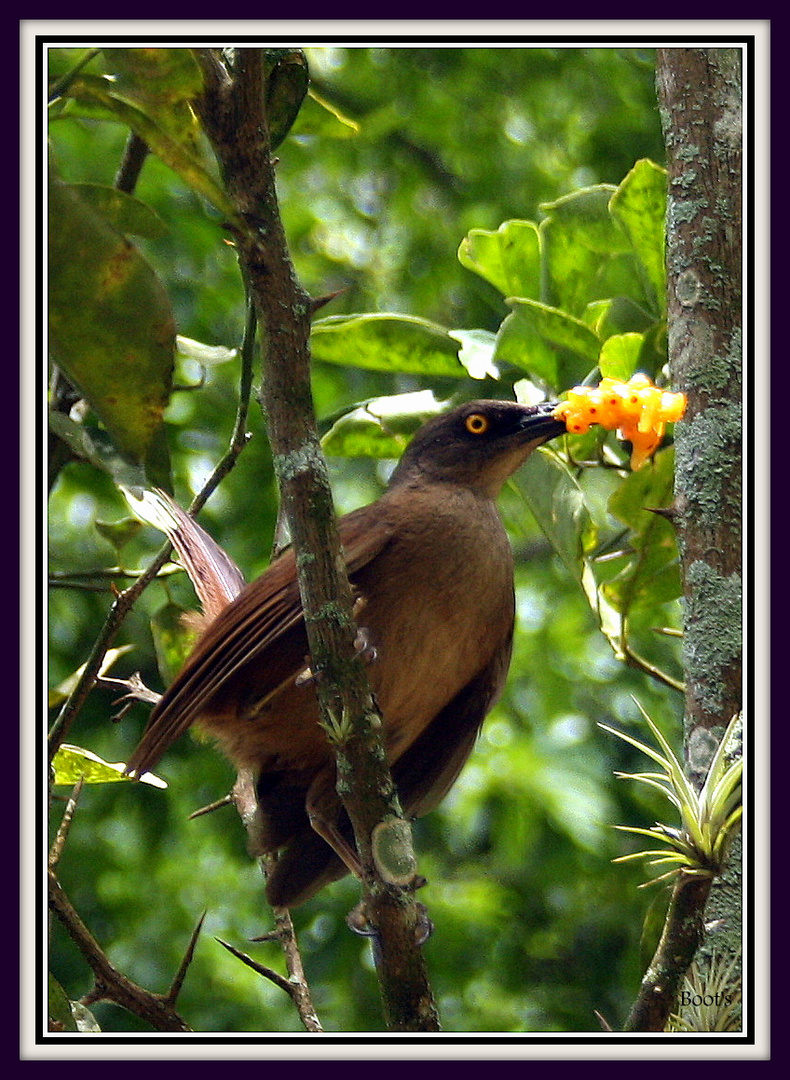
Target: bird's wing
x,y
427,770
265,622
423,776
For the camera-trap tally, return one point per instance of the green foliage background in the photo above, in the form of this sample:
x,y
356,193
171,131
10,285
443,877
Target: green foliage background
x,y
535,928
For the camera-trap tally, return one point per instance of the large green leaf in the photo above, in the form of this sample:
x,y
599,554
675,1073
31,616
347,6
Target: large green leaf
x,y
177,144
111,327
559,328
124,212
557,504
651,575
59,1006
387,343
616,315
161,83
508,258
547,342
520,344
639,205
381,427
580,245
620,356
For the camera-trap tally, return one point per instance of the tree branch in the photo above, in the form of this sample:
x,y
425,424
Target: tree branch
x,y
682,935
111,984
700,100
233,114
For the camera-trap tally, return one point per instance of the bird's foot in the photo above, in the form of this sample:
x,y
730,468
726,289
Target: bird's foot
x,y
359,921
363,647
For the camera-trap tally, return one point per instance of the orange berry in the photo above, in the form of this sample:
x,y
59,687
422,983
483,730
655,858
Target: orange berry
x,y
638,410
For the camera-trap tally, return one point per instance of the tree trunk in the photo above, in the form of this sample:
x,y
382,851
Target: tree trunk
x,y
700,101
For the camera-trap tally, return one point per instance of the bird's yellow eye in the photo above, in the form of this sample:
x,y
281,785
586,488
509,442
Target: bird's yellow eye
x,y
476,423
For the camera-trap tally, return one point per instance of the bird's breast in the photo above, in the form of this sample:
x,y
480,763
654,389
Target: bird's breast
x,y
436,605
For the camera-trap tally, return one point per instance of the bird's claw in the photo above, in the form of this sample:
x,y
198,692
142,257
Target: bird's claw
x,y
362,647
359,921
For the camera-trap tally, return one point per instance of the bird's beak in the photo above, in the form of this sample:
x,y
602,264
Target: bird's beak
x,y
538,425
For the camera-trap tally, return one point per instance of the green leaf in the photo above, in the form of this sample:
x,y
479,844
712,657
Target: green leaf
x,y
72,764
558,327
59,1006
620,356
569,345
123,212
615,315
520,344
508,258
381,427
286,85
639,205
651,575
557,503
111,327
178,146
162,79
584,214
586,256
160,84
386,343
118,533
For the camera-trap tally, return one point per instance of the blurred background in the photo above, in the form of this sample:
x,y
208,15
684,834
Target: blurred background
x,y
536,929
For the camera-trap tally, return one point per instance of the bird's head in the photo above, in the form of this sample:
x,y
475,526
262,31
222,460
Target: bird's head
x,y
479,444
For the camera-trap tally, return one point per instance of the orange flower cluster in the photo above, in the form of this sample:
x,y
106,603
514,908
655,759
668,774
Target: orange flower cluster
x,y
637,409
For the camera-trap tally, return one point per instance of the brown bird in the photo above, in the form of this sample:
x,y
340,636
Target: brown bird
x,y
432,571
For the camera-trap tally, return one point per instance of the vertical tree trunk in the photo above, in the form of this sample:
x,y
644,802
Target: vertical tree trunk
x,y
234,113
700,101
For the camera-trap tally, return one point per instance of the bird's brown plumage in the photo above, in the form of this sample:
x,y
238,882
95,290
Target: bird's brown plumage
x,y
432,569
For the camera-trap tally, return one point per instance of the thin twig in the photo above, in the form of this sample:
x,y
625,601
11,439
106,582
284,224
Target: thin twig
x,y
286,935
78,579
239,436
65,824
261,969
245,799
226,800
641,664
134,155
178,981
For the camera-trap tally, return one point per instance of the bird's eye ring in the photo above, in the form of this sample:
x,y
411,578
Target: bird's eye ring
x,y
477,424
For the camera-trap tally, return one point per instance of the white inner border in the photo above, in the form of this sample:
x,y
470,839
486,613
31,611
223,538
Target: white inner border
x,y
483,34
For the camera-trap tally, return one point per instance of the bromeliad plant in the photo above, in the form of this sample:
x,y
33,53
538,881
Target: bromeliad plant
x,y
709,818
